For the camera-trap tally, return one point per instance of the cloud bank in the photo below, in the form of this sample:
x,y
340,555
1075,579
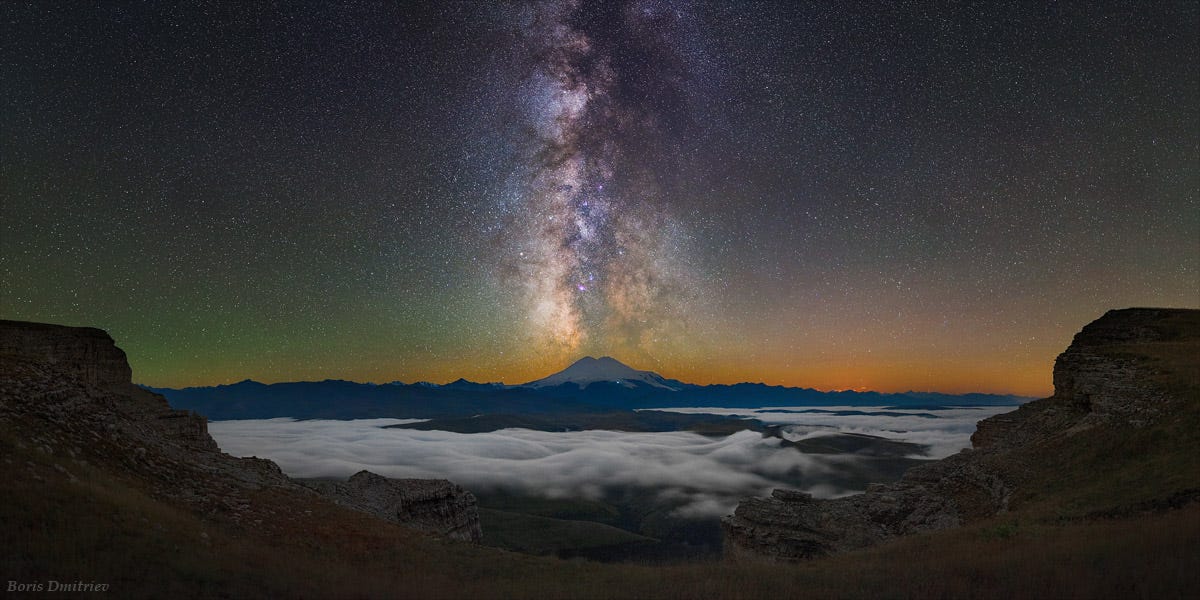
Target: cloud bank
x,y
700,476
944,430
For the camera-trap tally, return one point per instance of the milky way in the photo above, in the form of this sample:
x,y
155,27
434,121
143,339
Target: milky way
x,y
866,195
592,245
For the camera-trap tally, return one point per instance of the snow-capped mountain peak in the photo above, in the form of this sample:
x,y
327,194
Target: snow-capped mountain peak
x,y
588,370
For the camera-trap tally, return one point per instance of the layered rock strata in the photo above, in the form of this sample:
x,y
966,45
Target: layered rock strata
x,y
67,391
87,355
433,505
1098,381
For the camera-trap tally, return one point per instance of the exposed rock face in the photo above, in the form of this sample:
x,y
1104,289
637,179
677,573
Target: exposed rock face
x,y
433,505
68,392
87,354
69,373
1105,383
1097,383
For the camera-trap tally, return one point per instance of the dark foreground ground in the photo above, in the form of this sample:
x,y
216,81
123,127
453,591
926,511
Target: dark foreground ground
x,y
102,529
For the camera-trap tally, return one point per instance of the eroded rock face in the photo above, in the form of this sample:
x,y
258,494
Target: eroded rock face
x,y
1094,374
432,505
1096,383
87,354
67,392
938,495
69,373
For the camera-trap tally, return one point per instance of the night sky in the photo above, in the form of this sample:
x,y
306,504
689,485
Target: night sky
x,y
888,196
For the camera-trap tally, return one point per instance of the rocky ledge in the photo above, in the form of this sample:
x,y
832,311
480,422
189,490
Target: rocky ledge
x,y
1108,377
88,355
67,391
433,505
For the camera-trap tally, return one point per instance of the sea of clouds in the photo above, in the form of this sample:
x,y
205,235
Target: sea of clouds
x,y
944,430
701,476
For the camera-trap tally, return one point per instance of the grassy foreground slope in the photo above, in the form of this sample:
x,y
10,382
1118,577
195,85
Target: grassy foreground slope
x,y
103,529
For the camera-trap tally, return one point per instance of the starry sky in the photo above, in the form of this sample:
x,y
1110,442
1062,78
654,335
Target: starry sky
x,y
839,195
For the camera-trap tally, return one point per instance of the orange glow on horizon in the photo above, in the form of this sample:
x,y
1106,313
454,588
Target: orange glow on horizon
x,y
1031,378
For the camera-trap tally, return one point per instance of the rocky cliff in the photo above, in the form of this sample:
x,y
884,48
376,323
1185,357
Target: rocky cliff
x,y
87,355
67,392
433,505
1129,370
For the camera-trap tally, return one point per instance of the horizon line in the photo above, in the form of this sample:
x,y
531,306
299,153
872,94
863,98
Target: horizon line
x,y
862,390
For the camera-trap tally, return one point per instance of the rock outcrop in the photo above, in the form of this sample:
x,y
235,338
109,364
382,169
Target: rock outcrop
x,y
68,391
433,505
1110,376
1110,385
88,355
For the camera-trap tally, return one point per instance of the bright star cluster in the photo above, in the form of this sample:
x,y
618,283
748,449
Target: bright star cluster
x,y
836,195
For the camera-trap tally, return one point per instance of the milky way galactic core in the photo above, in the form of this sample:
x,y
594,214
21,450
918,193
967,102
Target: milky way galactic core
x,y
594,246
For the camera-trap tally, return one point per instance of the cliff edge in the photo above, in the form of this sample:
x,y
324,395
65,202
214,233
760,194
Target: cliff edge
x,y
433,505
1118,435
67,393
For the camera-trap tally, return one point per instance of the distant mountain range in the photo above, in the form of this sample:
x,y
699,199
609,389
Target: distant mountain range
x,y
588,385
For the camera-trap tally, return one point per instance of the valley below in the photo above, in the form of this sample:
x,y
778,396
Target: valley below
x,y
642,486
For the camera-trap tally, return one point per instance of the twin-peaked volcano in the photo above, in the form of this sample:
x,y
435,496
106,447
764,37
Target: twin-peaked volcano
x,y
588,370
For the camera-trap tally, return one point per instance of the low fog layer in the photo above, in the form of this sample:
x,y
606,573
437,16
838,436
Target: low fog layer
x,y
944,430
703,476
